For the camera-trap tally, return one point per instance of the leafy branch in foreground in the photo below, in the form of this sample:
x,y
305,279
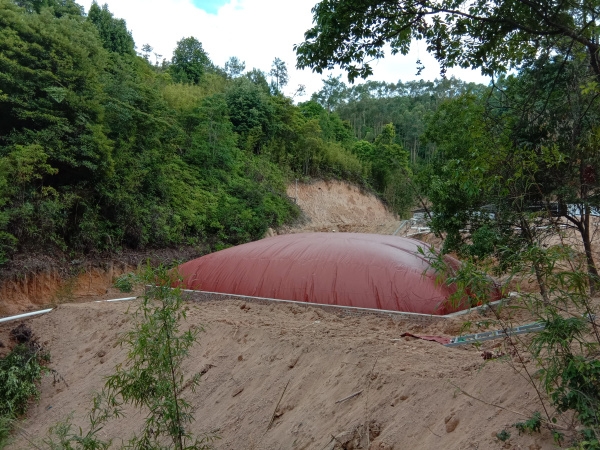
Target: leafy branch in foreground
x,y
492,35
151,378
565,351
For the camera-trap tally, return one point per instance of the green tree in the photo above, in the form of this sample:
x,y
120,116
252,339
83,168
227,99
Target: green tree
x,y
190,62
332,94
526,151
333,128
489,34
113,32
59,7
146,50
552,111
212,143
279,74
364,150
56,104
387,157
390,172
251,113
234,67
458,178
259,78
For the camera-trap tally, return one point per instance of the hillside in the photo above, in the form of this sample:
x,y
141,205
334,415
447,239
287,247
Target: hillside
x,y
330,206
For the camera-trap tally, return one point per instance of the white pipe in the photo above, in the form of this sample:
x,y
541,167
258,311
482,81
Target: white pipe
x,y
402,224
117,299
22,316
43,311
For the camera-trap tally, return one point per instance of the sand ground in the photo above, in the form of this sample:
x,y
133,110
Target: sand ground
x,y
412,394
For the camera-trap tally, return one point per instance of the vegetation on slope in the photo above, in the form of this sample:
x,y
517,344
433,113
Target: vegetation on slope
x,y
101,150
20,373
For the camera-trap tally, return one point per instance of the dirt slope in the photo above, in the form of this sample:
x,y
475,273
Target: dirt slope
x,y
408,388
339,206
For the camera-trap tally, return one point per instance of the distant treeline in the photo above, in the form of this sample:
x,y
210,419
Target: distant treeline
x,y
369,106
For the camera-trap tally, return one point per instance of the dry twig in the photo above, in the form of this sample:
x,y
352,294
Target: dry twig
x,y
349,397
277,406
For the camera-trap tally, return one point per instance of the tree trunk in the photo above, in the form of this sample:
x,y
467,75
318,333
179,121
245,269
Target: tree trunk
x,y
584,230
536,266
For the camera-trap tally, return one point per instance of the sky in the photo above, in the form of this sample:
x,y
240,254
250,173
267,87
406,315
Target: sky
x,y
256,32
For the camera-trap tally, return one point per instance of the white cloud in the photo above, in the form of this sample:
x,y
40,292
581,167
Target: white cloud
x,y
256,31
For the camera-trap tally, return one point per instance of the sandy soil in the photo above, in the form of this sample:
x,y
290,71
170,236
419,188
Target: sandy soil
x,y
411,391
338,206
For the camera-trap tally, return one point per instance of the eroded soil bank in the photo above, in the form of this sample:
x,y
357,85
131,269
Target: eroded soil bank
x,y
34,290
34,281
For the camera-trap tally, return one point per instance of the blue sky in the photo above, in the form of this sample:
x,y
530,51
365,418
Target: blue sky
x,y
210,6
255,31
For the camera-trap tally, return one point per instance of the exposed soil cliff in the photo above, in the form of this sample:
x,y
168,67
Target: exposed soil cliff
x,y
339,206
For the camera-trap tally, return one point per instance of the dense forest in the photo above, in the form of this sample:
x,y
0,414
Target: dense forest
x,y
104,149
367,107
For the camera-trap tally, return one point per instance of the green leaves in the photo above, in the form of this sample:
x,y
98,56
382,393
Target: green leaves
x,y
190,62
152,377
20,374
20,371
531,425
279,75
51,85
113,32
491,35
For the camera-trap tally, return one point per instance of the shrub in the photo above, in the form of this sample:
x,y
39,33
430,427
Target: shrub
x,y
20,373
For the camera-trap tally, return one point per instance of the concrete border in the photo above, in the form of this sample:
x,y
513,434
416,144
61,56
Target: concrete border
x,y
344,311
396,316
